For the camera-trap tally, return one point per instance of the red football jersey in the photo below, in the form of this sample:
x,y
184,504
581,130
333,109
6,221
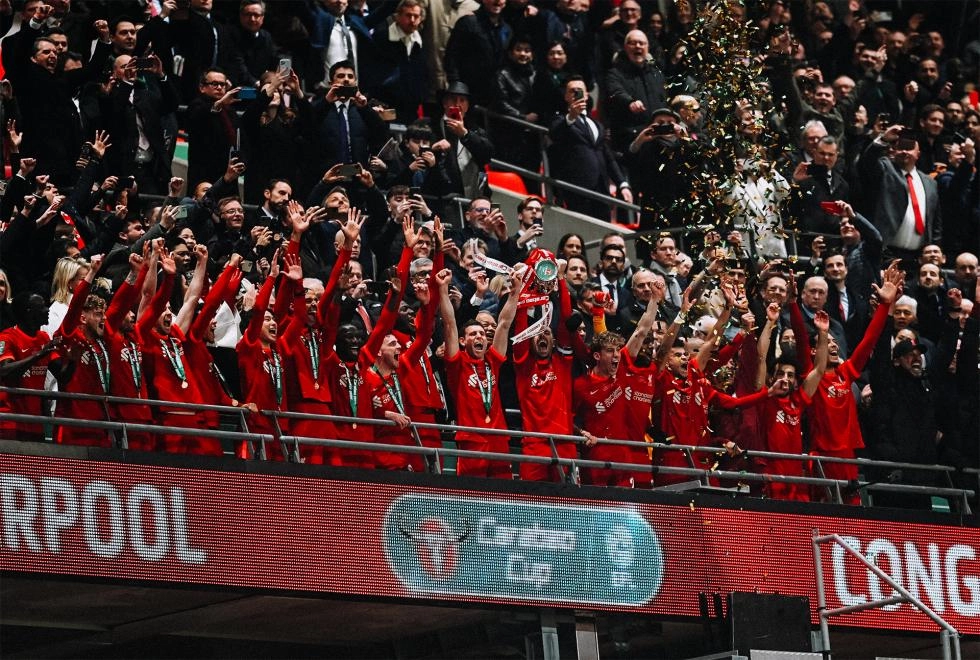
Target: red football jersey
x,y
471,382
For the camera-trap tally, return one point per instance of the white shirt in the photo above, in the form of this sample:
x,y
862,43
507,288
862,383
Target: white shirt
x,y
337,46
906,238
395,33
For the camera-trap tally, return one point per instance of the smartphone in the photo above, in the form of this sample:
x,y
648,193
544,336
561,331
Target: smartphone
x,y
455,113
181,213
884,118
831,208
816,171
347,91
663,129
247,94
285,66
144,63
129,182
578,94
905,144
349,170
86,150
494,207
233,153
415,191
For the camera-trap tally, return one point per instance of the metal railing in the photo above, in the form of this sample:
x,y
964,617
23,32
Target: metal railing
x,y
947,632
568,467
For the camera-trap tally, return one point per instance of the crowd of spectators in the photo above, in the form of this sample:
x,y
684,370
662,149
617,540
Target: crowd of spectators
x,y
314,260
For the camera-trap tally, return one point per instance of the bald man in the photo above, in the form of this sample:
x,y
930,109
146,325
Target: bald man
x,y
634,90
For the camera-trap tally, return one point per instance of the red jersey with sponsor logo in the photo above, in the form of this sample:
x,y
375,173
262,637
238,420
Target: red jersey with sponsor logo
x,y
685,402
15,344
782,417
471,382
544,388
641,386
601,404
834,423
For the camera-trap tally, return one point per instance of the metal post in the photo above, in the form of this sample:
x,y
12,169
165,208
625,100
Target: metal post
x,y
549,635
586,639
821,597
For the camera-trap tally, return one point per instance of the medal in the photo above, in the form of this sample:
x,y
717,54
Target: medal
x,y
353,380
486,394
316,386
487,419
174,358
312,342
354,425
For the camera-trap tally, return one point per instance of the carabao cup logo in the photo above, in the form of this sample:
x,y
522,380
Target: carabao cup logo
x,y
518,550
437,548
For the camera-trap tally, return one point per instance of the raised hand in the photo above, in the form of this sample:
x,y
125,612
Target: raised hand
x,y
422,292
893,280
101,143
136,260
167,262
175,186
821,321
443,278
296,217
201,252
352,228
294,267
14,136
411,234
772,313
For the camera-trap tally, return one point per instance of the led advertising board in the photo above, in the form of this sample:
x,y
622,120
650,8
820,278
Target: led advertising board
x,y
164,524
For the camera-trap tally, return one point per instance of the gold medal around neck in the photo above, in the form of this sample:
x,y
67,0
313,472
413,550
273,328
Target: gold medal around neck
x,y
354,425
316,386
183,385
487,419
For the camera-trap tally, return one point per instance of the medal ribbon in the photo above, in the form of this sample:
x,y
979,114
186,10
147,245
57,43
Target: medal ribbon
x,y
276,375
394,390
174,358
134,364
103,371
352,384
312,342
485,393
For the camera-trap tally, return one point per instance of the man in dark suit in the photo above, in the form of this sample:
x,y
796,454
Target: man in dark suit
x,y
45,91
251,51
580,154
337,34
819,181
211,128
905,201
133,110
401,77
476,49
465,150
844,305
347,129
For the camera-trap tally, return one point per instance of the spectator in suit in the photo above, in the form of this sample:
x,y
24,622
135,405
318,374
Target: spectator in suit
x,y
819,181
50,123
580,154
251,51
465,150
476,47
905,200
813,299
401,78
612,276
211,127
347,128
337,34
134,110
634,89
197,38
844,304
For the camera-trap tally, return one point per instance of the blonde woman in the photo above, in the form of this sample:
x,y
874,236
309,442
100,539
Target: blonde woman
x,y
6,298
68,272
